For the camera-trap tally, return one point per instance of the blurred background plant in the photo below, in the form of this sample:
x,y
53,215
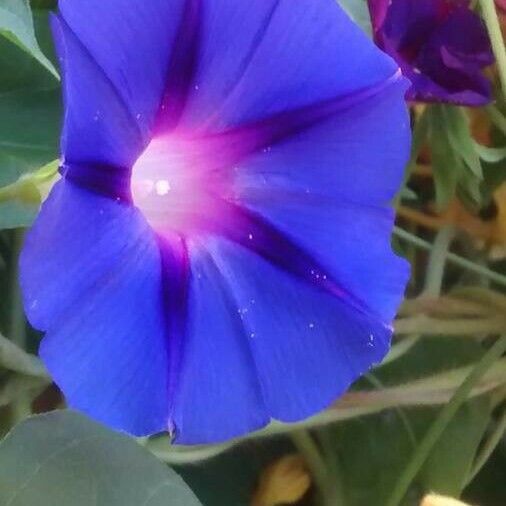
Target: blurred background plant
x,y
430,418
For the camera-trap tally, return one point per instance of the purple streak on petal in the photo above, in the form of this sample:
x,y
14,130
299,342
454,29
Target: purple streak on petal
x,y
178,179
333,233
325,161
175,282
219,395
254,232
233,145
181,70
105,180
311,347
311,187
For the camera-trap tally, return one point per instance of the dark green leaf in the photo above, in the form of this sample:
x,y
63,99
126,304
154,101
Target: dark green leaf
x,y
16,24
449,465
373,451
30,110
62,458
28,131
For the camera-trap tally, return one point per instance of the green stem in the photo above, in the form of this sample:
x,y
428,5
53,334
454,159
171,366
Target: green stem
x,y
489,15
304,442
489,447
335,481
451,257
21,408
437,262
455,327
443,419
399,349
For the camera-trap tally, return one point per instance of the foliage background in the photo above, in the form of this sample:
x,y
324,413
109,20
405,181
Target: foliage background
x,y
413,425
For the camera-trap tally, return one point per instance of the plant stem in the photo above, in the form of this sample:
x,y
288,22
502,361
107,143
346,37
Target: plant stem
x,y
489,447
489,15
455,327
437,261
451,257
21,408
304,442
335,476
443,419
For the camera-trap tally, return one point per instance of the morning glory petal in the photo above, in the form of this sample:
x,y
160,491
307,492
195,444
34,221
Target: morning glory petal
x,y
218,393
91,277
262,58
98,126
347,242
132,45
311,188
330,159
307,344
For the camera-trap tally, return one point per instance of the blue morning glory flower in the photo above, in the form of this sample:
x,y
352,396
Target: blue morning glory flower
x,y
217,252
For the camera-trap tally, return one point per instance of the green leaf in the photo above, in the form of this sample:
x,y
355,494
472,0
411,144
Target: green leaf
x,y
373,451
456,160
28,131
358,12
16,23
448,467
62,458
446,165
30,108
459,135
370,454
490,155
16,214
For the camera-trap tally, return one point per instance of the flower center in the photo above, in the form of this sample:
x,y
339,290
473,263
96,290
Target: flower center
x,y
173,186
